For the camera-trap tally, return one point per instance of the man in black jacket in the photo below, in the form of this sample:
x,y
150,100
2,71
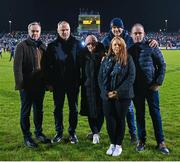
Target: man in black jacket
x,y
62,74
29,81
150,72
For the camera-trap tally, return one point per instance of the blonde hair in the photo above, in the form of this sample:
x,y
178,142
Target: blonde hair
x,y
122,55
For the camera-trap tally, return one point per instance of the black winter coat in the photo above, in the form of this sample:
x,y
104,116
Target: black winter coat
x,y
61,66
90,92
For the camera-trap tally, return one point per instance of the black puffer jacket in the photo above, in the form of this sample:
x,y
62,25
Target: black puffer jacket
x,y
149,63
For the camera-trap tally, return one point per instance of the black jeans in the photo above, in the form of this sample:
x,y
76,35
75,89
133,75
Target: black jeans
x,y
27,100
59,97
115,112
96,122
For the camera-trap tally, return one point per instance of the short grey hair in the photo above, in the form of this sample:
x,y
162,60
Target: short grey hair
x,y
62,22
34,23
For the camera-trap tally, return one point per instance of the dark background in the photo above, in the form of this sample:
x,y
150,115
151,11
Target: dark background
x,y
152,14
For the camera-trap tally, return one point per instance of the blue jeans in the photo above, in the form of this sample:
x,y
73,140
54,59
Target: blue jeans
x,y
131,120
27,100
152,98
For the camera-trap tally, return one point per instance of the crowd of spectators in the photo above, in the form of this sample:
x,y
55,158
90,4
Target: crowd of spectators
x,y
9,41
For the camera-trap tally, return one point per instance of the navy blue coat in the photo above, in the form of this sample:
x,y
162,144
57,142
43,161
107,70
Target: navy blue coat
x,y
124,35
112,76
150,64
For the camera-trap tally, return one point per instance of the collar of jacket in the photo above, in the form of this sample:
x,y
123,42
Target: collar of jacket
x,y
31,42
64,41
140,44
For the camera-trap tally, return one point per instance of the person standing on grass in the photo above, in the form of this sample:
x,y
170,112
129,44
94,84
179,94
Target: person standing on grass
x,y
63,76
117,29
29,81
116,78
91,102
150,72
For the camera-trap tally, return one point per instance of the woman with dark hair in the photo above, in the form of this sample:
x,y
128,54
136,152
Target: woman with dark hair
x,y
116,78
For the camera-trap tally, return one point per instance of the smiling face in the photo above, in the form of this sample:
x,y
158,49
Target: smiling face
x,y
91,42
116,31
34,31
91,47
116,46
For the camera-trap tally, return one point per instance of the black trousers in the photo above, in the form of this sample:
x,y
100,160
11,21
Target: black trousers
x,y
115,112
96,123
27,101
59,97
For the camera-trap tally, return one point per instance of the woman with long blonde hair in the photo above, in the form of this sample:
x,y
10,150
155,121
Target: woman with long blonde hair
x,y
116,78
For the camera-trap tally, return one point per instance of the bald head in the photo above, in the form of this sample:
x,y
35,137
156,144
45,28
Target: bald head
x,y
137,33
90,39
91,42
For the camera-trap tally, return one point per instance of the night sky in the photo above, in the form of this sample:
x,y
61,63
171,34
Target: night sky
x,y
151,13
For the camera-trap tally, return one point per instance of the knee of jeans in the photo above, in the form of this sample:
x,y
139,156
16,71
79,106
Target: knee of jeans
x,y
131,108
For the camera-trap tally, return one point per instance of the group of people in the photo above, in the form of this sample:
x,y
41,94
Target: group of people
x,y
113,74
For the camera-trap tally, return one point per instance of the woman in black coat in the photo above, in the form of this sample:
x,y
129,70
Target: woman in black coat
x,y
116,78
91,102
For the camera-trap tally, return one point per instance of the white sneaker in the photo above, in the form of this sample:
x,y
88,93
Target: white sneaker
x,y
117,150
110,150
95,138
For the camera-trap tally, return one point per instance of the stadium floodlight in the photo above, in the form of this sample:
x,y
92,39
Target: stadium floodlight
x,y
10,22
166,24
